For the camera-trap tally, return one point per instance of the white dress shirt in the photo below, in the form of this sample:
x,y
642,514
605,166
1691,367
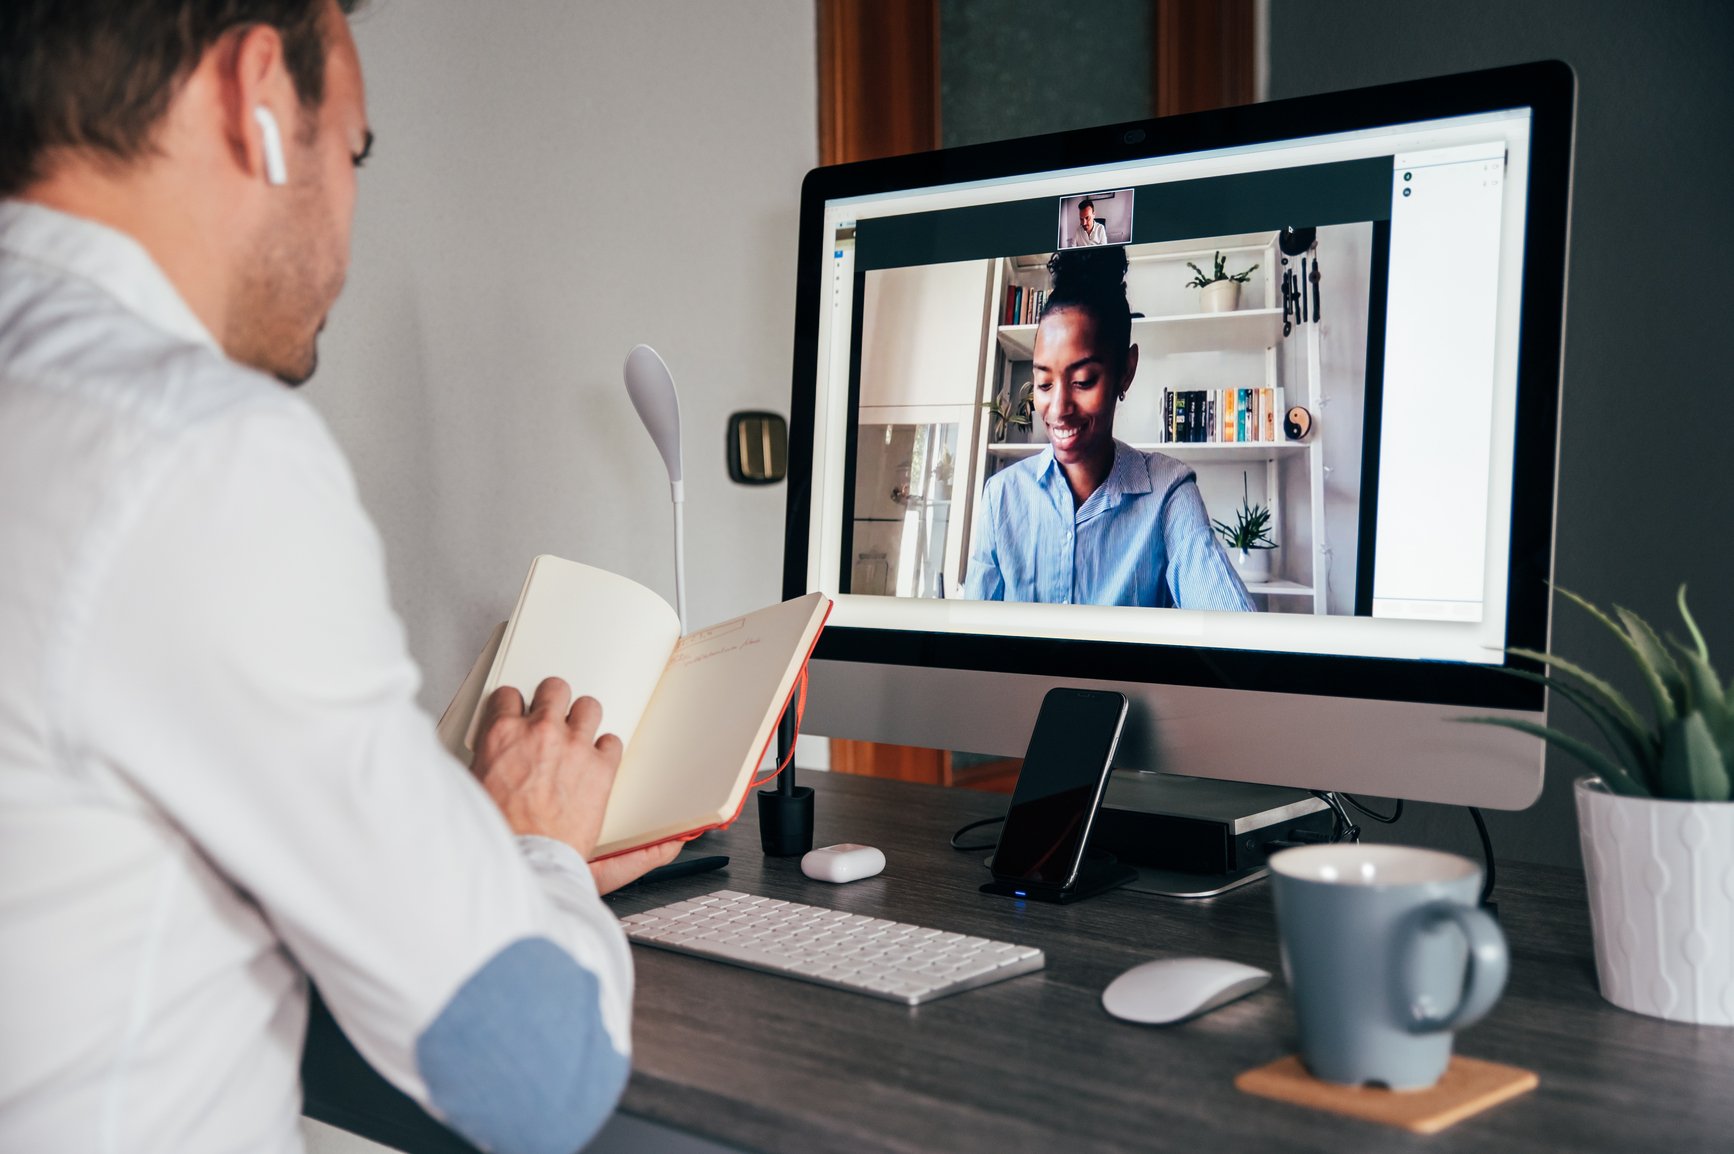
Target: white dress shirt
x,y
215,782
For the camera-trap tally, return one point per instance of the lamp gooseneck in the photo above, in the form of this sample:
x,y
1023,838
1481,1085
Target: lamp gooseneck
x,y
650,386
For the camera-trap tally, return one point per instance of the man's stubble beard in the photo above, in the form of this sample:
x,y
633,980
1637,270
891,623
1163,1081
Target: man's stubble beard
x,y
288,282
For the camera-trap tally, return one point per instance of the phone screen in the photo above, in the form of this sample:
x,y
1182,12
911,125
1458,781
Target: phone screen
x,y
1068,760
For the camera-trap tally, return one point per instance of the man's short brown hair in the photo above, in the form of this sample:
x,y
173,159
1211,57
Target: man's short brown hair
x,y
100,74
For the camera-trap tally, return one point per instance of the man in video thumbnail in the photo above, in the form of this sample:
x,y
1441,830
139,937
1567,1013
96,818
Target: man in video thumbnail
x,y
1091,520
1090,230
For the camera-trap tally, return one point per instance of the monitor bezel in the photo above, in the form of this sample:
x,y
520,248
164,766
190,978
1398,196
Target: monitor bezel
x,y
1546,88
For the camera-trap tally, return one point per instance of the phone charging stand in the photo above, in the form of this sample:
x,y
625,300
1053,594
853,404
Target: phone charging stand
x,y
1098,876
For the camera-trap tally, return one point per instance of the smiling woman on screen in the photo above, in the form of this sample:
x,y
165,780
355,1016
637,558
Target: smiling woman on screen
x,y
1091,520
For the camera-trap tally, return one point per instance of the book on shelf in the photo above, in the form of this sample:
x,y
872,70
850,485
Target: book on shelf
x,y
1220,416
695,714
1023,305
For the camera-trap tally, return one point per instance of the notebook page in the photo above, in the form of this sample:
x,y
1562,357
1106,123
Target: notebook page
x,y
703,732
454,726
606,636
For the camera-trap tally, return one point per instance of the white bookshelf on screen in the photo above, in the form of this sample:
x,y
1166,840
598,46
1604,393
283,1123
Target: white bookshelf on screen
x,y
1183,348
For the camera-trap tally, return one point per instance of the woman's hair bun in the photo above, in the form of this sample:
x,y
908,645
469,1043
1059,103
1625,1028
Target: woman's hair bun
x,y
1088,272
1093,280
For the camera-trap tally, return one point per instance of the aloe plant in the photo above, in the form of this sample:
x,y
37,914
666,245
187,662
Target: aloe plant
x,y
1683,751
1251,528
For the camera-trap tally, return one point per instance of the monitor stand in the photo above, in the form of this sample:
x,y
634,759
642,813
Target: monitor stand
x,y
1175,884
1194,837
1101,875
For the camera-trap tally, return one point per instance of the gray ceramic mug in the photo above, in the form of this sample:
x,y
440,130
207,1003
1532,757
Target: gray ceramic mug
x,y
1387,953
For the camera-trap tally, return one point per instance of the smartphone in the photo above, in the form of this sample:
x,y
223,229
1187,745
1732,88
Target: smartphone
x,y
1054,805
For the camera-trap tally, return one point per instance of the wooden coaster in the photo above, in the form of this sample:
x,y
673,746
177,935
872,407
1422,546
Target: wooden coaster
x,y
1468,1087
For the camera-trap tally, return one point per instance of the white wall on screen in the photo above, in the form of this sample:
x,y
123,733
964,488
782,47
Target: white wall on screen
x,y
921,334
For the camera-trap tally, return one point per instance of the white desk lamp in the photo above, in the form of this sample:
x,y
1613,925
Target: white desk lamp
x,y
651,388
786,812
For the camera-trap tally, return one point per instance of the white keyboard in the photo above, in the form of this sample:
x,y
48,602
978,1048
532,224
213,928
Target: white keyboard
x,y
891,960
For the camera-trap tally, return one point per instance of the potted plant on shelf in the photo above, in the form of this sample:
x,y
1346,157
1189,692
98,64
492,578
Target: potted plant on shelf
x,y
1656,822
1009,414
1248,538
1221,291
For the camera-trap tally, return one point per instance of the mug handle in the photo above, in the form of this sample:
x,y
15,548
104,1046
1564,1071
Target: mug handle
x,y
1489,965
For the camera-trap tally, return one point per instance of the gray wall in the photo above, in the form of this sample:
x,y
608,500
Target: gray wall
x,y
552,184
1646,498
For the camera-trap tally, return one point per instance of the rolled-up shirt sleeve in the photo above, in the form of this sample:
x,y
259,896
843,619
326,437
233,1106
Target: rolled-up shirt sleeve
x,y
241,666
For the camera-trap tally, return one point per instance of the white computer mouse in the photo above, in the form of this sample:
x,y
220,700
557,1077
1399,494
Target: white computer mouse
x,y
1175,989
847,862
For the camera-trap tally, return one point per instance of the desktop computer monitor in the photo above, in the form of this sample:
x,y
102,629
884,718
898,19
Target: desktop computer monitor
x,y
1039,385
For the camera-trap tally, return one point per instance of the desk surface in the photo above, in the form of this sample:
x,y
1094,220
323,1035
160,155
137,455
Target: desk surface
x,y
1035,1064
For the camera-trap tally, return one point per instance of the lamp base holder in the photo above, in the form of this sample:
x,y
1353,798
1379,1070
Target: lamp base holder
x,y
786,821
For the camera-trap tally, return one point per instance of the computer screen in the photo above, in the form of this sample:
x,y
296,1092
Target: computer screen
x,y
1248,408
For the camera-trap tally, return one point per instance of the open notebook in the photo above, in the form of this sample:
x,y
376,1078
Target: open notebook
x,y
695,713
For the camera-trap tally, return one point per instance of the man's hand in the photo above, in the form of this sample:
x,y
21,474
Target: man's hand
x,y
551,774
612,873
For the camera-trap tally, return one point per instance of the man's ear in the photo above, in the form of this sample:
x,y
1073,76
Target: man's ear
x,y
259,102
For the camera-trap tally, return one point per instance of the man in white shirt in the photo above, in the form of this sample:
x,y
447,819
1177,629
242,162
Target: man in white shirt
x,y
1090,231
215,783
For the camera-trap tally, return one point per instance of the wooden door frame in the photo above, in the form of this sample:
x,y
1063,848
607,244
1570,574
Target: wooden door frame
x,y
878,78
1206,55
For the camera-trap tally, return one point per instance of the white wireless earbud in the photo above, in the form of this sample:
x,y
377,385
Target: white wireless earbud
x,y
276,172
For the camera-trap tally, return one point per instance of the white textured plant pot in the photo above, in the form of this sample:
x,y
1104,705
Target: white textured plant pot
x,y
1221,296
1661,896
1253,565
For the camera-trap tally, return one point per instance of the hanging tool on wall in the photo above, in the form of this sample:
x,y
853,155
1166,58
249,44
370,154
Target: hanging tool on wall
x,y
1300,290
1315,276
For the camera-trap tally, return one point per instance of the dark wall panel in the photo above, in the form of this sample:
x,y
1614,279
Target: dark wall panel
x,y
1646,489
1011,68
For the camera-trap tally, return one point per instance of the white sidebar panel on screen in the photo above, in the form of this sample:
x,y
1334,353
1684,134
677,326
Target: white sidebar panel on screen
x,y
1440,383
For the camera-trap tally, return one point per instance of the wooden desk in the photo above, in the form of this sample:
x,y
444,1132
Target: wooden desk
x,y
1035,1064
